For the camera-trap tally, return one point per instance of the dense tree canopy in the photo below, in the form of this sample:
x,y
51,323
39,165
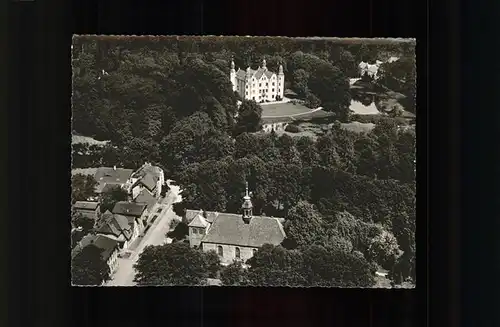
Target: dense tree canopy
x,y
171,103
82,187
111,196
174,264
88,268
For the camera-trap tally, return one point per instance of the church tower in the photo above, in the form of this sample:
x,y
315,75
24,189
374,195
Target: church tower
x,y
232,75
247,206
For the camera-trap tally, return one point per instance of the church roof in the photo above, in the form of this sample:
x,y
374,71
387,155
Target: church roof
x,y
198,221
231,229
191,214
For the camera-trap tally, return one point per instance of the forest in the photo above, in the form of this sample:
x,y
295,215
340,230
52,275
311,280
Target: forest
x,y
169,101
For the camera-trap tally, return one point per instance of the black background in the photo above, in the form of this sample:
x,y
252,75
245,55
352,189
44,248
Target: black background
x,y
39,90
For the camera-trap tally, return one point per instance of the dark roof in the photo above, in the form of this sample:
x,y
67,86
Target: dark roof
x,y
110,175
231,229
191,214
146,197
85,205
148,180
102,242
116,225
107,244
129,208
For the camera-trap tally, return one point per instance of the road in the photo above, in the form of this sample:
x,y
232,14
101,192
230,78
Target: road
x,y
295,115
124,276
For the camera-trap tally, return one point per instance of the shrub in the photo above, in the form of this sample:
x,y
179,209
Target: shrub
x,y
292,128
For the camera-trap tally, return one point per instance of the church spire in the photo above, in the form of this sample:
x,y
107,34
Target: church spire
x,y
247,206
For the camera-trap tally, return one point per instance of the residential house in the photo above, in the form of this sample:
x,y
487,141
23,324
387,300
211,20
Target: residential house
x,y
87,209
260,85
109,246
133,210
233,236
107,178
147,177
122,229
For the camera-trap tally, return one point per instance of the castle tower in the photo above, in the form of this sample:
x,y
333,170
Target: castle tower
x,y
264,64
247,206
232,75
281,82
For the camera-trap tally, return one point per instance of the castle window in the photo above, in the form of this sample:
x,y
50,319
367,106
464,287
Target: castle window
x,y
272,90
267,84
273,83
220,251
237,253
254,251
260,84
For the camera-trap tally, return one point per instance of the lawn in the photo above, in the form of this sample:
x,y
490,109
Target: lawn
x,y
283,109
76,139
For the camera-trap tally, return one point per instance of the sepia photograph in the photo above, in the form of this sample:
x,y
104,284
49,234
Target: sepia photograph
x,y
243,161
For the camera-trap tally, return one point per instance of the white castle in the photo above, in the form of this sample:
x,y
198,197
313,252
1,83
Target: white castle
x,y
260,85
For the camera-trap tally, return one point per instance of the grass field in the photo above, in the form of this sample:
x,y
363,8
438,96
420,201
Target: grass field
x,y
76,139
283,109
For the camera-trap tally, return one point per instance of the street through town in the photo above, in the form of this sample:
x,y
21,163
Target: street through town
x,y
124,276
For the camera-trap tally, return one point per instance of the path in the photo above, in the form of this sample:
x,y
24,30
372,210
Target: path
x,y
299,114
124,276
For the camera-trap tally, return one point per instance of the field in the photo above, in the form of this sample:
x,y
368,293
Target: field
x,y
283,109
78,139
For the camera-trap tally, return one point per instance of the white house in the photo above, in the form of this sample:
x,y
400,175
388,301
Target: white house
x,y
260,85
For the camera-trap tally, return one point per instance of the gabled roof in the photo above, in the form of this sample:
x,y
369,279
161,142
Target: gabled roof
x,y
111,175
129,208
148,180
116,225
198,221
231,229
145,197
241,74
191,214
85,205
102,242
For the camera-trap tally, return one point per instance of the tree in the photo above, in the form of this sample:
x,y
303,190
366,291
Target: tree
x,y
384,249
332,267
86,223
82,187
300,79
212,263
303,225
275,266
234,275
249,117
111,196
173,264
88,267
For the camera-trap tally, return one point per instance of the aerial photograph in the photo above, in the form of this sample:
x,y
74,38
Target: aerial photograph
x,y
243,161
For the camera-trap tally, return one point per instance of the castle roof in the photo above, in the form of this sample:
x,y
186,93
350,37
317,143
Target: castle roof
x,y
231,229
241,74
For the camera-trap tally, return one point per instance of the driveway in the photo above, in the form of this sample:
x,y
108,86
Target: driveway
x,y
124,276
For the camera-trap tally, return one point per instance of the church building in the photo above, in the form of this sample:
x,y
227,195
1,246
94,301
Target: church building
x,y
233,236
260,85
